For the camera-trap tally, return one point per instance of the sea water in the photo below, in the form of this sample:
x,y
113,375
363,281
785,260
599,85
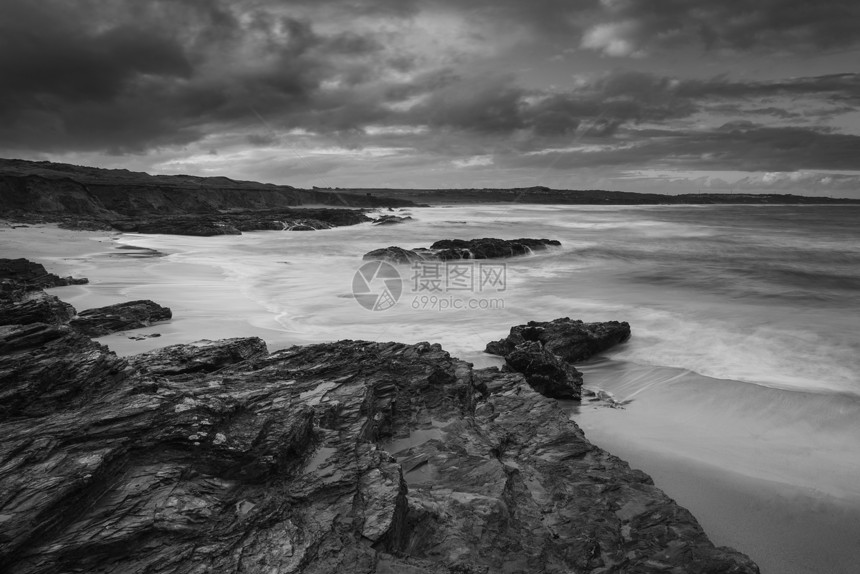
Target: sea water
x,y
745,353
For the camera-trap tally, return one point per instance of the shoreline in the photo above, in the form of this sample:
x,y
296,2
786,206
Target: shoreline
x,y
703,490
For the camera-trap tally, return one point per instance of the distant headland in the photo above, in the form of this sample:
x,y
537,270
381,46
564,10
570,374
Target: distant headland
x,y
81,196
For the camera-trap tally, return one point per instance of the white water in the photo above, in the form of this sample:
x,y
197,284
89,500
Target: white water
x,y
745,351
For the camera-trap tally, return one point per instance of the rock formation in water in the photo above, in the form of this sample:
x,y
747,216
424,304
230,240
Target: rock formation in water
x,y
342,457
391,219
572,340
120,317
450,249
304,219
546,352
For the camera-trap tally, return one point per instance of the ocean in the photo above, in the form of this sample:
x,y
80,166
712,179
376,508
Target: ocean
x,y
744,359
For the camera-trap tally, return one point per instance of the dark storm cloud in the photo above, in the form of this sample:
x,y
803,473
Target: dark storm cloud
x,y
143,74
132,75
768,25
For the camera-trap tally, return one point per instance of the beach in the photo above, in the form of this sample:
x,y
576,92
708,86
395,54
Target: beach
x,y
741,432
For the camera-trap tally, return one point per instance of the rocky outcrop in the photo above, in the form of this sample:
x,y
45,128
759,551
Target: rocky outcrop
x,y
545,352
304,219
342,457
48,370
546,373
34,307
448,249
22,301
72,194
198,357
353,456
120,317
571,340
391,219
394,254
24,274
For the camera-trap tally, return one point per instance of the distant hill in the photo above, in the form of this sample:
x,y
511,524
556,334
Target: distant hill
x,y
46,188
545,195
57,191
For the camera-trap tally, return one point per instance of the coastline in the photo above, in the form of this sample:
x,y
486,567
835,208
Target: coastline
x,y
543,476
707,490
787,529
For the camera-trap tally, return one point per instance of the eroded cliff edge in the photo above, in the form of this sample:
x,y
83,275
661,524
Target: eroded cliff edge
x,y
343,457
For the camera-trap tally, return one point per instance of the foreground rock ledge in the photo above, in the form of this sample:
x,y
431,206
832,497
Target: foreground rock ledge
x,y
343,457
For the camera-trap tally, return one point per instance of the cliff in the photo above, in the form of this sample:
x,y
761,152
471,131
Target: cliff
x,y
55,189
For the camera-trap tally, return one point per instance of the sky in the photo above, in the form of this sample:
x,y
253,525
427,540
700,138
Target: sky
x,y
671,96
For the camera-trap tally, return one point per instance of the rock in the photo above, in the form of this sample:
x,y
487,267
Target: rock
x,y
545,352
394,254
448,249
391,219
195,225
197,357
113,318
545,372
571,340
342,457
34,307
489,248
234,223
49,370
29,275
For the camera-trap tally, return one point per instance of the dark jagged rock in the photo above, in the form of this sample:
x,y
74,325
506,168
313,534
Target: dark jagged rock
x,y
34,307
545,352
198,357
342,457
120,317
546,373
572,340
47,370
448,249
28,275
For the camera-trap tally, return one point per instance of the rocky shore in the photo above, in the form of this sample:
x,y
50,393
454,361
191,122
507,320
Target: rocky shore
x,y
449,249
350,456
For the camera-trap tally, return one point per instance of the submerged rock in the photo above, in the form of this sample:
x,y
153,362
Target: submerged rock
x,y
448,249
391,219
120,317
343,457
234,223
394,254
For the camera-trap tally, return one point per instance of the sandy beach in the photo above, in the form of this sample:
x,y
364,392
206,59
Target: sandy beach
x,y
786,528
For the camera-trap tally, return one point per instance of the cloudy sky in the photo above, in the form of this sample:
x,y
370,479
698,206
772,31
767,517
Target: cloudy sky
x,y
639,95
